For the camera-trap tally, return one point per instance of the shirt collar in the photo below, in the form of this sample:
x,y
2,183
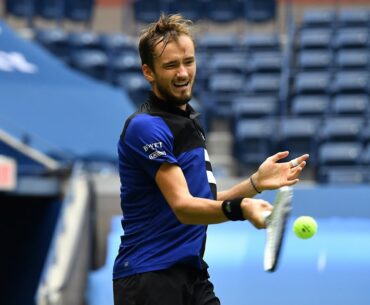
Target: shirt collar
x,y
170,108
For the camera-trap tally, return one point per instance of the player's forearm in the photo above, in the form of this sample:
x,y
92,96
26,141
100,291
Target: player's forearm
x,y
241,190
194,210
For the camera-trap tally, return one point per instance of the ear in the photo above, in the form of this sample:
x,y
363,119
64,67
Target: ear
x,y
148,73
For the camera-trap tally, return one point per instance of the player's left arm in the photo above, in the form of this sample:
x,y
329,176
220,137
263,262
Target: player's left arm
x,y
271,175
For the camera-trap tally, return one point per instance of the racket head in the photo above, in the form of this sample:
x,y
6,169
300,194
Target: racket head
x,y
276,223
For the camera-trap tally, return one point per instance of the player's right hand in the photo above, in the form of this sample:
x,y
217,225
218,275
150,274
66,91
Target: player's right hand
x,y
254,211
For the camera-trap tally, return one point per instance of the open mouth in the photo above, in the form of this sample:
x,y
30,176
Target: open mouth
x,y
181,84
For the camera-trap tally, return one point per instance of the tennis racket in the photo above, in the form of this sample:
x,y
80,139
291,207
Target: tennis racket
x,y
275,227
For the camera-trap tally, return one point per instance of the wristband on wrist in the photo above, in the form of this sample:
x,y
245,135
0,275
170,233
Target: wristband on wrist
x,y
232,209
254,186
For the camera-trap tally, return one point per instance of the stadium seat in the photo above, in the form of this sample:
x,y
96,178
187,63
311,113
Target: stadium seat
x,y
312,83
222,43
351,38
117,43
298,136
256,42
350,82
147,11
190,9
55,40
366,156
21,8
264,83
341,129
259,10
228,62
353,174
269,62
80,10
314,60
365,133
353,59
350,104
221,11
340,153
226,82
91,62
358,18
310,105
123,63
254,140
83,40
315,39
136,86
318,18
51,9
254,106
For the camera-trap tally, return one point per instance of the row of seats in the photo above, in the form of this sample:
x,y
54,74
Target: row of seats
x,y
58,10
220,11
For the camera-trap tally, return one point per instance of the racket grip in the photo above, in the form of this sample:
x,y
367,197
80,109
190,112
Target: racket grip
x,y
266,216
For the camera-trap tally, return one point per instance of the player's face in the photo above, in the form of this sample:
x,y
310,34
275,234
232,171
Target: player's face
x,y
174,71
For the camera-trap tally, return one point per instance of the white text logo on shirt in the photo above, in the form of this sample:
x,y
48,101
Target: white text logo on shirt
x,y
154,146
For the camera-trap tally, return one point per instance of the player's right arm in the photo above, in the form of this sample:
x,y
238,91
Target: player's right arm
x,y
194,210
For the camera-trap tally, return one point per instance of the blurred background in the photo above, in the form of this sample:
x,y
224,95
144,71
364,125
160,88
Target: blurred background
x,y
272,75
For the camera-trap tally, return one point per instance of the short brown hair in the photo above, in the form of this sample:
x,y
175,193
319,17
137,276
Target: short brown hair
x,y
166,29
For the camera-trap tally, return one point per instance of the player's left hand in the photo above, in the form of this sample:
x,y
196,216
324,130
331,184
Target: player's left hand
x,y
273,174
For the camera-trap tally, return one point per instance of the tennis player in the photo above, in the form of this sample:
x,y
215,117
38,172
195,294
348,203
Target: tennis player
x,y
168,191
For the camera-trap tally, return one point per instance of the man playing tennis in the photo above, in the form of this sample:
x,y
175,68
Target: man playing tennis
x,y
168,191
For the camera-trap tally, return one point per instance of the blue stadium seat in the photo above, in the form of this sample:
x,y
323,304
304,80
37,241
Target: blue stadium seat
x,y
217,42
310,105
269,62
255,140
366,156
136,86
341,129
221,11
353,59
352,17
318,18
91,62
21,8
117,43
298,136
228,62
123,63
227,82
350,104
315,39
351,82
256,42
55,40
340,153
264,83
314,60
259,10
51,9
352,174
147,11
83,40
365,133
80,10
312,82
351,38
254,106
190,9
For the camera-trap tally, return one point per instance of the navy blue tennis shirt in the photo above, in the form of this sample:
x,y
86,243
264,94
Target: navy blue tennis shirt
x,y
153,237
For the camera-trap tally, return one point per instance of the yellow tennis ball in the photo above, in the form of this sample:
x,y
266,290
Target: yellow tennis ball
x,y
305,227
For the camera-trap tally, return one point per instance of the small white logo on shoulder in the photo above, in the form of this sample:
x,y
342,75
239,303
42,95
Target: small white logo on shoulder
x,y
157,154
153,146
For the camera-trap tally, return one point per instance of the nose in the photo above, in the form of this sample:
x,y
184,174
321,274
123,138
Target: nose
x,y
182,72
